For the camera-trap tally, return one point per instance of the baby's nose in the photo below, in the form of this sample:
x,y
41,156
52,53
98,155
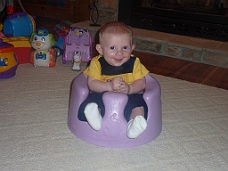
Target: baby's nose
x,y
120,52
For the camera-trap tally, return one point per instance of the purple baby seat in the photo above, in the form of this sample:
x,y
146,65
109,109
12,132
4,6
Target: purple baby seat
x,y
114,125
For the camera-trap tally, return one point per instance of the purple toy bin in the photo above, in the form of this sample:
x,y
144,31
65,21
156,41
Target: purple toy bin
x,y
77,40
114,125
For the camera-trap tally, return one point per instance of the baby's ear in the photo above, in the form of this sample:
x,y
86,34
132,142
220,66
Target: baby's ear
x,y
132,47
99,49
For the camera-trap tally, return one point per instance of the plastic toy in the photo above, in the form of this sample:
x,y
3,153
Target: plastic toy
x,y
42,42
77,40
63,27
8,60
114,126
19,24
59,45
22,47
76,60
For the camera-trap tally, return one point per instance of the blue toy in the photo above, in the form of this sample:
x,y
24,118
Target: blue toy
x,y
19,24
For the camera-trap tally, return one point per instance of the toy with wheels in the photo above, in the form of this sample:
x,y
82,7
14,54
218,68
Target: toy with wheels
x,y
8,60
42,55
114,125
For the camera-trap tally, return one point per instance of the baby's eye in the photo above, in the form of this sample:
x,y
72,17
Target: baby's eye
x,y
125,47
112,48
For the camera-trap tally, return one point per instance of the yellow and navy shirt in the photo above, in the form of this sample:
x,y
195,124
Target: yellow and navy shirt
x,y
130,71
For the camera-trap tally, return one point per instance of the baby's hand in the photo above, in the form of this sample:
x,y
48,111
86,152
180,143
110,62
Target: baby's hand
x,y
116,83
124,87
119,85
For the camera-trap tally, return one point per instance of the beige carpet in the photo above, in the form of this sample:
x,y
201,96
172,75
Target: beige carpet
x,y
34,135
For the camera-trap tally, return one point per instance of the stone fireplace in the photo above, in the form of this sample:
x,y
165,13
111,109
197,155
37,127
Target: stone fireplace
x,y
108,10
190,48
197,18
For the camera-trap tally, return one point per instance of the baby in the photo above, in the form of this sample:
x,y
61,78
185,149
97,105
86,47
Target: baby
x,y
115,69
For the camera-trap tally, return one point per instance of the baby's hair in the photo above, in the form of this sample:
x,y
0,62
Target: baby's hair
x,y
115,27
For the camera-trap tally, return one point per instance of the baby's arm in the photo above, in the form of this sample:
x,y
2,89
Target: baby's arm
x,y
98,86
117,84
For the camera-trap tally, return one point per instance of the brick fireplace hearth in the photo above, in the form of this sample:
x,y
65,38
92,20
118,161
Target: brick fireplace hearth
x,y
171,45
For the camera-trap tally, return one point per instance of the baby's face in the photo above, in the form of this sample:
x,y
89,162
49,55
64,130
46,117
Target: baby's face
x,y
116,49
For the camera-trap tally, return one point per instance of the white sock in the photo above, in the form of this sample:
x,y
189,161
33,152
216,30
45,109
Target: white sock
x,y
93,116
136,126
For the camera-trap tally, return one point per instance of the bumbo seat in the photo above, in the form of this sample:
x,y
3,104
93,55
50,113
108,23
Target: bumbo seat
x,y
114,125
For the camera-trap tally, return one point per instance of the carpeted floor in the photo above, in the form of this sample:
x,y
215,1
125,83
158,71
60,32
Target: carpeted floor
x,y
34,134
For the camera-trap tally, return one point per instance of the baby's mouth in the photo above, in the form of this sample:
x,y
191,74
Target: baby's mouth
x,y
118,60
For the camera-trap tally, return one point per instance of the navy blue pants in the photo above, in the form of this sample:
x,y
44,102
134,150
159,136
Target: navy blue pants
x,y
134,100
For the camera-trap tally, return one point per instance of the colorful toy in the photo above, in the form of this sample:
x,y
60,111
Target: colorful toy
x,y
63,27
22,47
76,60
43,55
77,40
8,60
114,125
19,24
62,30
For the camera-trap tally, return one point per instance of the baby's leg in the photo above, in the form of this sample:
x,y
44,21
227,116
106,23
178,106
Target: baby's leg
x,y
137,123
93,116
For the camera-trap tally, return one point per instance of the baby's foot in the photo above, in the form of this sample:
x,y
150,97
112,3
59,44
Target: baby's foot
x,y
93,116
136,126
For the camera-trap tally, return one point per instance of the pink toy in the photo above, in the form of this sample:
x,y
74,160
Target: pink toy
x,y
113,132
77,40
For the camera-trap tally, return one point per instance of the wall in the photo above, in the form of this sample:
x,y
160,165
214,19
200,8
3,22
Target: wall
x,y
108,10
